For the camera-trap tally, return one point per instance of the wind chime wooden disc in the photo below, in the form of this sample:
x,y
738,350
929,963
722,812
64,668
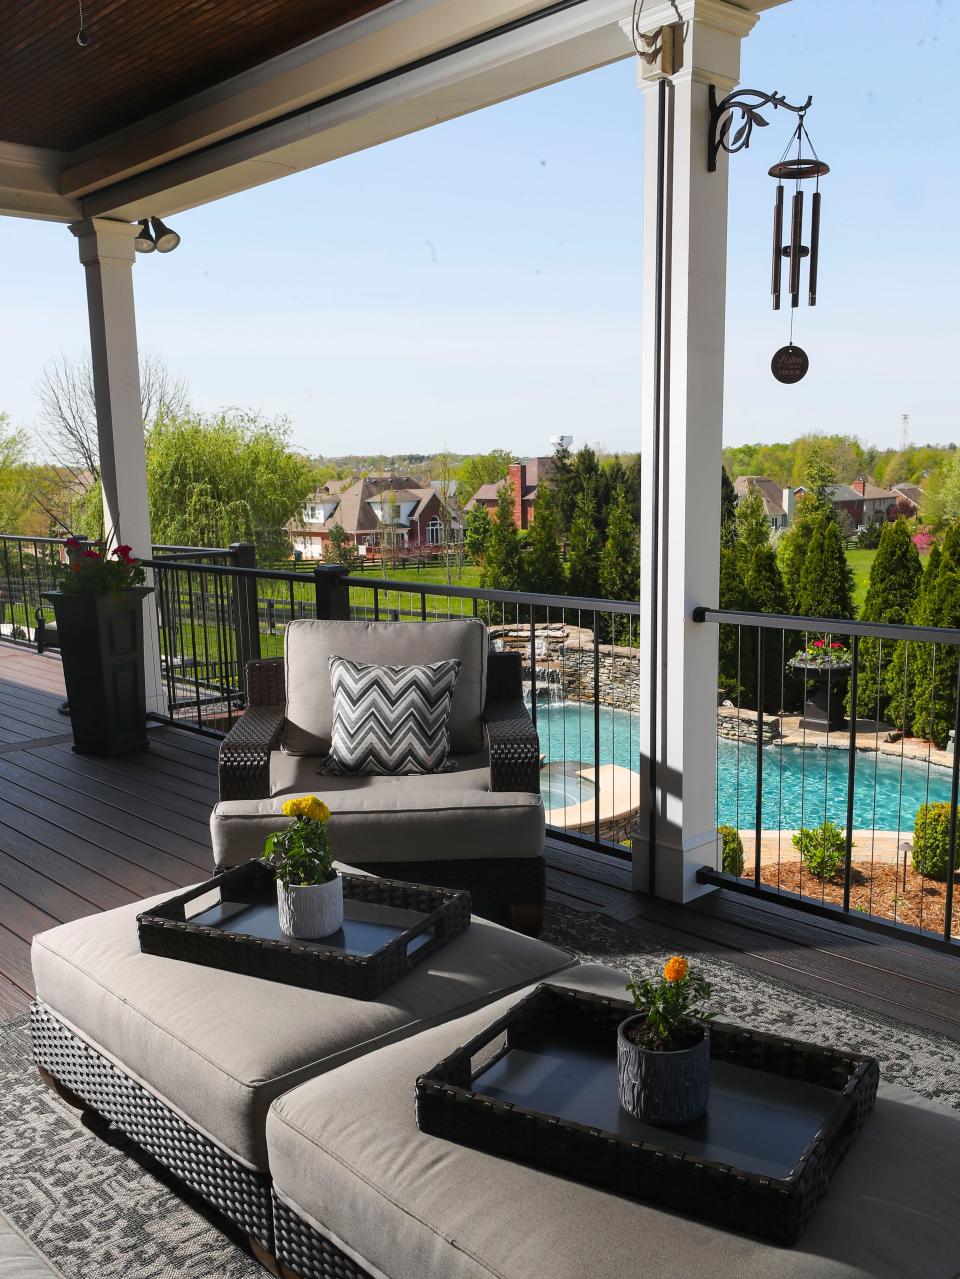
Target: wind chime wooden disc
x,y
789,364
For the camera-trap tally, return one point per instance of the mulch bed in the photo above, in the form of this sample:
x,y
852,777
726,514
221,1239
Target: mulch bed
x,y
877,890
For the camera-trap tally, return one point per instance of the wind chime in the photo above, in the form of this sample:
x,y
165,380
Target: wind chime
x,y
790,363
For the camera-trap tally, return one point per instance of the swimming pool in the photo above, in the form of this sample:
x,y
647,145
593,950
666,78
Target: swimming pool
x,y
801,787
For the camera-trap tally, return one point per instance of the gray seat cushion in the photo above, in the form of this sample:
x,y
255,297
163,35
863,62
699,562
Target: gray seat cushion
x,y
18,1257
347,1156
436,816
308,645
218,1047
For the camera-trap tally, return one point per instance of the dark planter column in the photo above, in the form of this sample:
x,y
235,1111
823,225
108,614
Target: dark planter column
x,y
823,708
101,643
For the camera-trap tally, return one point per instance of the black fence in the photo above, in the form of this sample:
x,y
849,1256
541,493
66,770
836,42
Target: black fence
x,y
837,767
581,667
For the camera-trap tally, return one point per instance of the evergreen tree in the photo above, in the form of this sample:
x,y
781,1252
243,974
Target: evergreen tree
x,y
826,581
733,596
900,675
564,486
935,671
728,509
542,565
891,596
752,528
620,560
503,560
793,549
476,534
583,552
766,593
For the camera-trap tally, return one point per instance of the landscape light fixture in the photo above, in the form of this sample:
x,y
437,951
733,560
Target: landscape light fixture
x,y
144,242
166,239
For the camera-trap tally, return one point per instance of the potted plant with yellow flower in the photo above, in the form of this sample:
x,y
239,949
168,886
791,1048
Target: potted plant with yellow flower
x,y
663,1050
309,890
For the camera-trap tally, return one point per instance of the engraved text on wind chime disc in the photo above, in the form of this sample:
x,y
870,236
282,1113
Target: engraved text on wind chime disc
x,y
789,364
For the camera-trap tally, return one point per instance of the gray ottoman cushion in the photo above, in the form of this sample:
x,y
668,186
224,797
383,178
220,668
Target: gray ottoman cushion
x,y
346,1155
218,1047
309,644
18,1257
383,819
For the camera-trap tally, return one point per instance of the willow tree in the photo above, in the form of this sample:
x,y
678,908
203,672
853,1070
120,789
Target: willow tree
x,y
227,478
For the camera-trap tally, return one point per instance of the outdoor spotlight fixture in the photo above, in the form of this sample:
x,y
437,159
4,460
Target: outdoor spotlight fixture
x,y
144,242
166,239
790,363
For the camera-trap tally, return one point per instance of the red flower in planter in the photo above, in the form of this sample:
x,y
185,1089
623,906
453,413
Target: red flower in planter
x,y
123,555
90,555
818,643
836,645
73,543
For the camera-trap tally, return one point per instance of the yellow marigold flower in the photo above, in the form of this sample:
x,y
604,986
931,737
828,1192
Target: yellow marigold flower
x,y
308,806
676,968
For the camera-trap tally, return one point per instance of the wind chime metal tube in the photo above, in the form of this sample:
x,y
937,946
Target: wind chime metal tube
x,y
796,247
776,271
814,247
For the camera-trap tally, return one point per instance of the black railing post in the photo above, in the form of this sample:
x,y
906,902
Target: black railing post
x,y
851,770
246,615
954,796
758,809
332,592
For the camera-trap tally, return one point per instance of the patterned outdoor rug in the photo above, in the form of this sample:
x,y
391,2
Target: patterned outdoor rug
x,y
96,1211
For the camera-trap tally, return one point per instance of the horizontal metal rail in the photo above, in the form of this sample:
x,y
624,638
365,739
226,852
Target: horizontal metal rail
x,y
829,625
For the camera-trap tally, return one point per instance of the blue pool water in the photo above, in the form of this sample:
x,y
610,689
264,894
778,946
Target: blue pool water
x,y
800,787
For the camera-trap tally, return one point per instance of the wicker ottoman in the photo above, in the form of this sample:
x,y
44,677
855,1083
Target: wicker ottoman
x,y
187,1059
359,1191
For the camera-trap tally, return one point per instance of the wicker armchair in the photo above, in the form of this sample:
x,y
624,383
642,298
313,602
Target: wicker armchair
x,y
507,888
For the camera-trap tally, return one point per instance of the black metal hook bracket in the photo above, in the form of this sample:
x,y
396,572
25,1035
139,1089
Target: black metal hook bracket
x,y
722,116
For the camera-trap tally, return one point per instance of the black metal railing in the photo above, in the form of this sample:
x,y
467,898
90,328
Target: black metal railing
x,y
28,567
837,767
582,675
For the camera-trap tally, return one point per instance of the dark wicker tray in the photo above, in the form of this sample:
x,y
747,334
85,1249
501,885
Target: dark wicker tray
x,y
232,922
539,1086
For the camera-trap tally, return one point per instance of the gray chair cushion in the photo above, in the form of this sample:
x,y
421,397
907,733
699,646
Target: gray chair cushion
x,y
436,816
217,1047
347,1156
308,645
18,1257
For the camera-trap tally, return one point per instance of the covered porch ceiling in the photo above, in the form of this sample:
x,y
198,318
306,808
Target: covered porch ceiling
x,y
171,107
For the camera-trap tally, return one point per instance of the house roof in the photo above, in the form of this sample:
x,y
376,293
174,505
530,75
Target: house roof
x,y
874,492
768,489
912,492
837,492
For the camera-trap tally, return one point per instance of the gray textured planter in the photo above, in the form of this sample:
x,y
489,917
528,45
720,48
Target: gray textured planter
x,y
311,910
666,1089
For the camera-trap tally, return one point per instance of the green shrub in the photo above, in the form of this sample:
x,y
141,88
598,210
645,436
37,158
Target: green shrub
x,y
732,861
822,848
931,840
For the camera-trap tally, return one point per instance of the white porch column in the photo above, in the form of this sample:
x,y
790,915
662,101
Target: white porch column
x,y
683,518
107,255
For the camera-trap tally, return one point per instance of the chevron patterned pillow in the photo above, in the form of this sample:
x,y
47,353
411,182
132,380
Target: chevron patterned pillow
x,y
390,720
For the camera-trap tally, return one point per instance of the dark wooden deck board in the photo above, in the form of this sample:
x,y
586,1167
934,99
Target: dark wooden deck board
x,y
80,834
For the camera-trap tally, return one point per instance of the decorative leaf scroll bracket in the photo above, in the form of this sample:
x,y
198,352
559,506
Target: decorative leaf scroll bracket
x,y
722,119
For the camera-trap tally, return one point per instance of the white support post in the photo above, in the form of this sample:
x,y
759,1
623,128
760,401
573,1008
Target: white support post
x,y
680,515
107,254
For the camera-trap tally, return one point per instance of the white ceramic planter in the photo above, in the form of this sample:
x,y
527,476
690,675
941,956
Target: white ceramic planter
x,y
311,910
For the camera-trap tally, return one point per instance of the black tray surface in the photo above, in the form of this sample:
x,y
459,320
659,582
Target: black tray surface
x,y
232,922
366,925
539,1086
756,1121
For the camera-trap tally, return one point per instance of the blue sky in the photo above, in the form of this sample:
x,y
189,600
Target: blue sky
x,y
477,285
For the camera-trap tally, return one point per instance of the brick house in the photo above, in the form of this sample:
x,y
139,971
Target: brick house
x,y
524,478
410,510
